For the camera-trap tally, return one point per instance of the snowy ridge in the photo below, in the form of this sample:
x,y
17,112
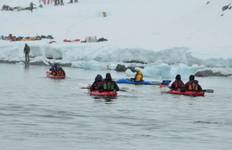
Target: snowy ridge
x,y
170,36
107,53
102,56
152,24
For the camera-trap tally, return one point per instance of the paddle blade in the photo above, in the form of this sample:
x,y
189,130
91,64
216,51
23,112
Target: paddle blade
x,y
165,82
87,87
123,89
208,90
163,86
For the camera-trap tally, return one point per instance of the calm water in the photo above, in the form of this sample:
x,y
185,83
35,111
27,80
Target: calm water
x,y
37,113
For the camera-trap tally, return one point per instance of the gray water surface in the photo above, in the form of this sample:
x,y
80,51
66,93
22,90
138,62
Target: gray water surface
x,y
37,113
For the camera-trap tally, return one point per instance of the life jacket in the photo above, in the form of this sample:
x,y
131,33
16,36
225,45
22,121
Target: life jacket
x,y
178,84
139,77
108,86
60,73
54,73
193,87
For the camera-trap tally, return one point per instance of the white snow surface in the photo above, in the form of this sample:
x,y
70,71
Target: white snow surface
x,y
179,36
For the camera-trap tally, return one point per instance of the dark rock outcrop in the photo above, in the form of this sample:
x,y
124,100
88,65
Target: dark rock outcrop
x,y
120,68
101,39
135,61
210,73
132,68
123,68
226,7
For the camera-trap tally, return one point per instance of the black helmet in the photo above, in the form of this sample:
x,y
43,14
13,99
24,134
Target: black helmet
x,y
98,78
178,77
56,64
191,77
108,77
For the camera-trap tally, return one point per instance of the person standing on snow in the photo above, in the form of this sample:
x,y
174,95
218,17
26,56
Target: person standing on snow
x,y
57,2
26,52
31,7
61,2
71,1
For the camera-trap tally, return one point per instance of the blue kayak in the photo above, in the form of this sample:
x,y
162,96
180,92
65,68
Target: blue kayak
x,y
131,81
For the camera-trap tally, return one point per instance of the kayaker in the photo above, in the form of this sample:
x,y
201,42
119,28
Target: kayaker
x,y
178,84
57,70
53,69
109,84
60,71
192,85
97,84
138,76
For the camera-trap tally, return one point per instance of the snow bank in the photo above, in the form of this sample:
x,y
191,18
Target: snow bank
x,y
171,36
102,56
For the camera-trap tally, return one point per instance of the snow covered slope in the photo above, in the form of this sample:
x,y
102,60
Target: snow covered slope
x,y
134,27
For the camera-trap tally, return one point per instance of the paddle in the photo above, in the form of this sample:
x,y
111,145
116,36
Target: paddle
x,y
121,89
165,82
208,90
85,87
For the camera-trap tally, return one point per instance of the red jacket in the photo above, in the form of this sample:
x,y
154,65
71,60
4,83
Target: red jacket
x,y
177,84
192,86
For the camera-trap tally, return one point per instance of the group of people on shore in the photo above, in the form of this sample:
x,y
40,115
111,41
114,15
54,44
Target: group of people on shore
x,y
32,6
14,38
56,2
18,8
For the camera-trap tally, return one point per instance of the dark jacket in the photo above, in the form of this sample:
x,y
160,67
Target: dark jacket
x,y
97,86
26,49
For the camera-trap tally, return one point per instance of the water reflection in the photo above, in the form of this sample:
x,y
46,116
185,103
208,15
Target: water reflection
x,y
26,66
